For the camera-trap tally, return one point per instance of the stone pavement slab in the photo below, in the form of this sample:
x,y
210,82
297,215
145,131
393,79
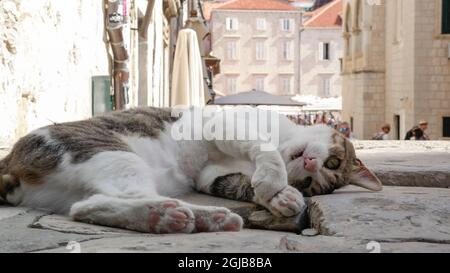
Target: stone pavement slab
x,y
397,214
66,225
329,244
9,212
400,219
17,235
246,241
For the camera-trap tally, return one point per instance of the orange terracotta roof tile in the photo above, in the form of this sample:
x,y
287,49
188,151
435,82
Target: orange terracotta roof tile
x,y
208,8
257,5
328,15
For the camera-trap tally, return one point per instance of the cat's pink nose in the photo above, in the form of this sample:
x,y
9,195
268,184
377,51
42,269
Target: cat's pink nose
x,y
310,164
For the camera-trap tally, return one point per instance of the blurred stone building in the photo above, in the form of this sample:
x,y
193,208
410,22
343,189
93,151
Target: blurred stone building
x,y
321,49
285,47
396,66
258,43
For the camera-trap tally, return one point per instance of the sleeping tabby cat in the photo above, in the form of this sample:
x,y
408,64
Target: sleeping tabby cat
x,y
125,170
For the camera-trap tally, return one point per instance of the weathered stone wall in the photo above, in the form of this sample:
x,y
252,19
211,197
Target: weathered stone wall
x,y
363,77
432,68
416,65
49,50
364,93
400,65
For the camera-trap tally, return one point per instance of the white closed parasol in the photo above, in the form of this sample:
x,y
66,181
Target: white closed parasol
x,y
187,77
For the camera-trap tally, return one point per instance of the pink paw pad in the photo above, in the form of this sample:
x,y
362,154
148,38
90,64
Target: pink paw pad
x,y
180,220
201,225
177,226
234,224
170,204
232,227
219,217
168,217
178,215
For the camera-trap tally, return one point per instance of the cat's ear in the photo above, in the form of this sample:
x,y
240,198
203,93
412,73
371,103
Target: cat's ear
x,y
361,176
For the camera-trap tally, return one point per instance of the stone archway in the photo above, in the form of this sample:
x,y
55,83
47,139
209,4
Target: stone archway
x,y
348,29
358,25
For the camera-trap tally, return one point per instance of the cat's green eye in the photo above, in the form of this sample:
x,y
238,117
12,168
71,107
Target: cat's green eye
x,y
332,163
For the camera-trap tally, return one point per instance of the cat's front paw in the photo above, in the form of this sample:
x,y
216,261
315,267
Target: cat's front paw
x,y
288,202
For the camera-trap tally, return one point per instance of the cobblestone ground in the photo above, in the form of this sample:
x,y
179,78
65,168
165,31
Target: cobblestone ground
x,y
410,215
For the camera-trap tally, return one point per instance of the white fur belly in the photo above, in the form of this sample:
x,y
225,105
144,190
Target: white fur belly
x,y
156,152
171,162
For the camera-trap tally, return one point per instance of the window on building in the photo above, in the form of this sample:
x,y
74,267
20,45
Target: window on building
x,y
260,24
232,50
324,51
397,127
232,24
445,16
260,51
286,24
286,50
232,85
259,83
286,85
446,127
325,86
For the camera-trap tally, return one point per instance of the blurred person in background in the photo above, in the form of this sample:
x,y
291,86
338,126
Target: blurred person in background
x,y
418,132
344,128
384,134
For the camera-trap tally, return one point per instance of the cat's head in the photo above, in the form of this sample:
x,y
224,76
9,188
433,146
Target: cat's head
x,y
320,160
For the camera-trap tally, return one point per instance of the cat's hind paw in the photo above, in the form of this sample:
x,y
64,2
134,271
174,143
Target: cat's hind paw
x,y
288,202
170,217
216,220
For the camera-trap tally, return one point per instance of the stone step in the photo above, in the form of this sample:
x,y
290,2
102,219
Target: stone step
x,y
407,164
397,214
